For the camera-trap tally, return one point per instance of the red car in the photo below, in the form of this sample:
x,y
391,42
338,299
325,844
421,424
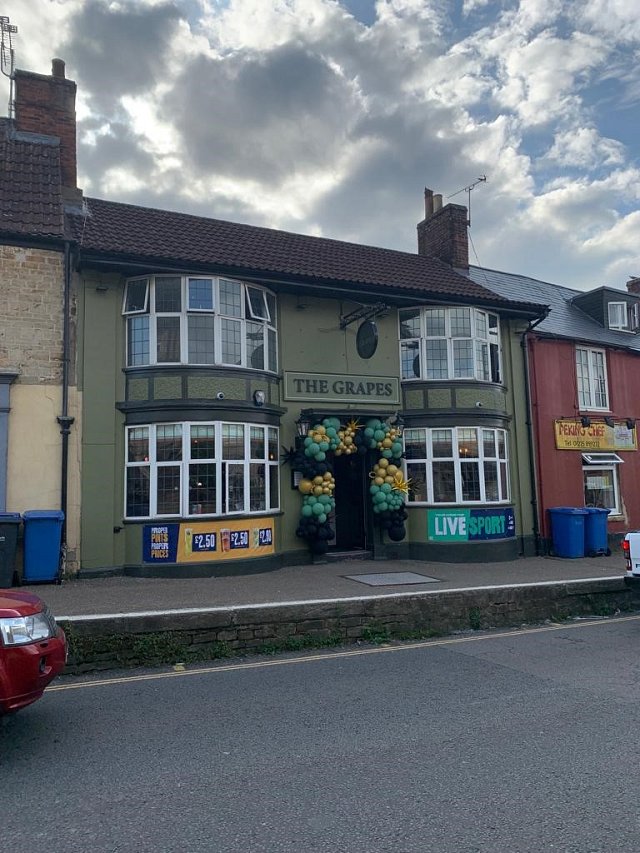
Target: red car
x,y
33,649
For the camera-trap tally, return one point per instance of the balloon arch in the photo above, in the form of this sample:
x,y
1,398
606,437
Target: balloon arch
x,y
388,489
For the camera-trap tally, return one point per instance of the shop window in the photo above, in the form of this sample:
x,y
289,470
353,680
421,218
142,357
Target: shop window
x,y
601,481
457,465
188,469
591,374
199,320
449,343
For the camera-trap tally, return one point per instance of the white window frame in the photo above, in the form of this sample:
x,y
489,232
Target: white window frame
x,y
588,385
501,460
621,323
270,461
491,364
247,315
603,462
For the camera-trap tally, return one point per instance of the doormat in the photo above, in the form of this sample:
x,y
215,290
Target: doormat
x,y
392,578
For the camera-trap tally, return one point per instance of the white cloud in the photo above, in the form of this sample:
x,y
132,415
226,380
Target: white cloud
x,y
584,148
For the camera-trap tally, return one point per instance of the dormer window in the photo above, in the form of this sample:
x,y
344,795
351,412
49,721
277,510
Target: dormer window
x,y
619,315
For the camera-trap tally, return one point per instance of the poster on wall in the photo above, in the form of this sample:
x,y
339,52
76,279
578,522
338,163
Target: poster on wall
x,y
470,525
207,541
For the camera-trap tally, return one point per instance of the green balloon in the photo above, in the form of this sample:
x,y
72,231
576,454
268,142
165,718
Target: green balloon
x,y
387,453
378,434
317,509
307,511
385,487
383,507
374,489
322,518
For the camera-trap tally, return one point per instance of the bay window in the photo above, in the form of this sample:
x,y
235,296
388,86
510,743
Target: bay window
x,y
199,320
457,465
449,343
186,469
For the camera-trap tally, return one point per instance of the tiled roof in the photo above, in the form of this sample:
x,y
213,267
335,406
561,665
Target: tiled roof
x,y
565,319
126,232
30,200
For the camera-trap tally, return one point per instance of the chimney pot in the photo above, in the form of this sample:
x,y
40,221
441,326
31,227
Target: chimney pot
x,y
437,202
428,203
57,68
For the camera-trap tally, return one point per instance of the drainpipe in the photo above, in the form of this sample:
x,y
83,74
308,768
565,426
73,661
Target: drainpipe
x,y
64,419
529,425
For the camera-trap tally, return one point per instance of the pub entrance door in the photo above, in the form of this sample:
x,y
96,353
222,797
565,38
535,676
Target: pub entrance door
x,y
352,500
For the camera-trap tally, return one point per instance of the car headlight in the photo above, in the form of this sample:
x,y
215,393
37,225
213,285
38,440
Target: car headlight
x,y
18,630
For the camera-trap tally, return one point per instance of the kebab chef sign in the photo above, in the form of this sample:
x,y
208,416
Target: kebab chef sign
x,y
571,435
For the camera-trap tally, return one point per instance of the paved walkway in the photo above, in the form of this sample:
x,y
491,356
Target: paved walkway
x,y
299,584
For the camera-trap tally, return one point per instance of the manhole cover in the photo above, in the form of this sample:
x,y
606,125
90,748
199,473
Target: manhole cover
x,y
392,578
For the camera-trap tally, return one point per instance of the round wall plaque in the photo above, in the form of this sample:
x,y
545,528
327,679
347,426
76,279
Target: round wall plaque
x,y
367,339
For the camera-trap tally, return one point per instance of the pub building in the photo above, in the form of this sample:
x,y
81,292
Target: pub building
x,y
251,398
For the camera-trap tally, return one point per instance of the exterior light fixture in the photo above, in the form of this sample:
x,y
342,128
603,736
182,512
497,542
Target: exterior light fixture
x,y
259,398
631,423
585,421
303,425
609,421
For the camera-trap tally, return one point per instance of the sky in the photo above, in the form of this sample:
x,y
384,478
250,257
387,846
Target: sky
x,y
330,117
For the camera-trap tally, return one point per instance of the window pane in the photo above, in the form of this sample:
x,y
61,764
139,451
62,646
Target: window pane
x,y
257,303
599,380
272,351
460,323
231,342
136,299
491,481
274,487
415,444
417,474
442,443
481,325
256,440
494,358
257,487
255,345
168,295
467,443
138,444
202,488
137,491
482,361
271,306
504,482
168,338
168,490
489,443
437,359
444,482
502,444
169,443
138,340
273,444
462,359
200,331
232,441
410,324
203,442
230,298
599,488
582,374
234,497
435,322
470,481
410,359
200,294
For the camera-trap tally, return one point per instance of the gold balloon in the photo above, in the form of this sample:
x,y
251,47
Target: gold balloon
x,y
317,490
383,463
392,469
305,486
317,479
378,481
389,480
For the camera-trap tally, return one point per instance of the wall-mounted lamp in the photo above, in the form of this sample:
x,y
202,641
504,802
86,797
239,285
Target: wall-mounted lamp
x,y
585,421
631,423
259,398
303,425
609,421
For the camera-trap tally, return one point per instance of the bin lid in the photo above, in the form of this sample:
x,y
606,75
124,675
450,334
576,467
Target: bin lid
x,y
10,517
598,509
569,510
43,513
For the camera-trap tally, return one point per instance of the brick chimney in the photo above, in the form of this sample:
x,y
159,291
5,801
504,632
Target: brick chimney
x,y
47,105
442,233
633,285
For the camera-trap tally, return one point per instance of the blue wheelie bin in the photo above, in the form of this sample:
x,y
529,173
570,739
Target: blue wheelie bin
x,y
596,540
567,531
42,542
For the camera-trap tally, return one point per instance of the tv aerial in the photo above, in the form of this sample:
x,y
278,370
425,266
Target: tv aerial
x,y
481,180
7,55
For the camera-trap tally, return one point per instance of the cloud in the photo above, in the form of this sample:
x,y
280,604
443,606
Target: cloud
x,y
584,148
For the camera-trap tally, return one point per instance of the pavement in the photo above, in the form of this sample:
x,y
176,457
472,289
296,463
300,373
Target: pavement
x,y
312,584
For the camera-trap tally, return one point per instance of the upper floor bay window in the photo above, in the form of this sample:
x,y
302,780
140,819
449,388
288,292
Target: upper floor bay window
x,y
457,465
200,320
591,373
450,343
183,469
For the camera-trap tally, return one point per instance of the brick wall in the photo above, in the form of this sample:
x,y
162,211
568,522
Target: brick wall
x,y
443,235
31,321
